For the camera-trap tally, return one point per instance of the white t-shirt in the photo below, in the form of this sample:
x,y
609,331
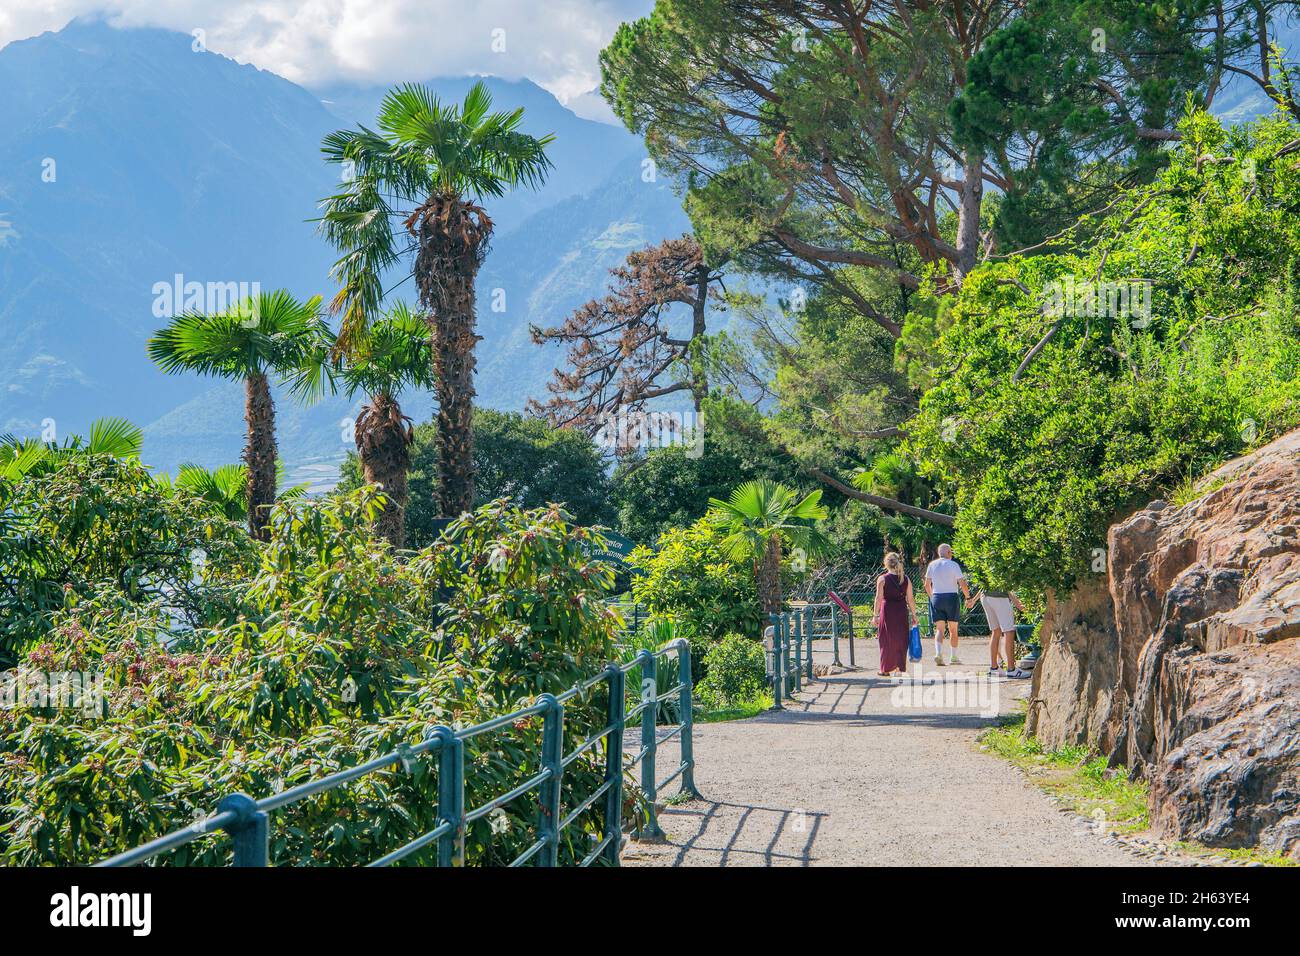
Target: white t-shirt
x,y
943,575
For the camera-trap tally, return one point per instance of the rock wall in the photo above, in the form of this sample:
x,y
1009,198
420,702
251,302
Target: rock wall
x,y
1182,660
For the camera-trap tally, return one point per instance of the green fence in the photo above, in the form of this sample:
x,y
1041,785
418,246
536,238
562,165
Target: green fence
x,y
248,822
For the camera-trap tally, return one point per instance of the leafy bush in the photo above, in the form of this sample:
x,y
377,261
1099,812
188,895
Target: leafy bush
x,y
505,607
653,636
90,523
736,672
1118,408
687,578
517,458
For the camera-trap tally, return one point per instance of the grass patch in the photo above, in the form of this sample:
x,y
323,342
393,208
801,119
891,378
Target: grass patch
x,y
1078,777
1081,779
749,708
1190,489
1244,855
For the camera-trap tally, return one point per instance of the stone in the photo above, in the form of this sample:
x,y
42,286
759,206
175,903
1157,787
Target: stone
x,y
1182,660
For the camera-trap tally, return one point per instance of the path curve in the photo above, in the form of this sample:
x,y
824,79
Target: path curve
x,y
862,771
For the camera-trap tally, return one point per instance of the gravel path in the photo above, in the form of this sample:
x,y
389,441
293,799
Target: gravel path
x,y
860,771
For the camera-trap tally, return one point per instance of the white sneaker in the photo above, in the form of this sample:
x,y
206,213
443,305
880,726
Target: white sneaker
x,y
953,659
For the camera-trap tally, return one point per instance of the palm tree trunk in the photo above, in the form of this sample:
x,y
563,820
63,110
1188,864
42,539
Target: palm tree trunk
x,y
452,236
384,437
769,576
259,454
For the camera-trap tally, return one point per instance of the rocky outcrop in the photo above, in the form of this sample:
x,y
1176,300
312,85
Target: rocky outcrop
x,y
1182,659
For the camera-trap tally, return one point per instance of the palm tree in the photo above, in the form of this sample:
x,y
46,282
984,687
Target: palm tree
x,y
757,520
264,335
116,437
224,487
387,356
895,477
440,158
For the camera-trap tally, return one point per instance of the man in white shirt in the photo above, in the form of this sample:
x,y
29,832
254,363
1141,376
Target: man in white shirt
x,y
944,579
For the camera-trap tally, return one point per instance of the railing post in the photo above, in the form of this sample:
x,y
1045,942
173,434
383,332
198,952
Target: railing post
x,y
614,764
548,817
787,640
687,701
808,661
853,661
835,636
649,744
798,650
777,689
451,796
250,832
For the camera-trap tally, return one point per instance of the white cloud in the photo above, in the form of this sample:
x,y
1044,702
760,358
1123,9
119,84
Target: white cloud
x,y
554,43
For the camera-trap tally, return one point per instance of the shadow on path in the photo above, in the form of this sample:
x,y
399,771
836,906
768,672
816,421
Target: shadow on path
x,y
737,833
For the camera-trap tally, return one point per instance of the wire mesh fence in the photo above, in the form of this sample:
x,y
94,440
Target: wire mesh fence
x,y
855,583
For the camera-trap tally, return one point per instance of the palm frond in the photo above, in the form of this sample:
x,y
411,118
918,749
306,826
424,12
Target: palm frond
x,y
115,436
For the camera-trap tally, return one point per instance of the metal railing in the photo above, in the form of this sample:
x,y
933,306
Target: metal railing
x,y
827,621
248,822
790,656
633,614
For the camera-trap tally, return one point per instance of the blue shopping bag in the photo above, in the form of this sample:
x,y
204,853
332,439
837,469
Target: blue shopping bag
x,y
914,643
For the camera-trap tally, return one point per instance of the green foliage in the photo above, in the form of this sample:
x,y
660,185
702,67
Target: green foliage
x,y
99,524
517,458
834,374
269,333
422,148
1079,778
687,577
392,353
1118,407
756,512
735,673
338,652
654,635
115,437
669,488
225,487
525,597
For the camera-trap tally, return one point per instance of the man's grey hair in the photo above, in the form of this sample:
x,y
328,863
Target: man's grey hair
x,y
945,551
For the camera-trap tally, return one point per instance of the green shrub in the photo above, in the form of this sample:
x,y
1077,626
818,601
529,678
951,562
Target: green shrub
x,y
94,523
687,578
736,671
1119,407
339,652
653,636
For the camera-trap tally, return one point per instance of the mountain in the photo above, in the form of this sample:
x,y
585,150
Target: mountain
x,y
129,160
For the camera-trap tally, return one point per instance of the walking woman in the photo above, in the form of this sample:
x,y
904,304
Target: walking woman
x,y
895,612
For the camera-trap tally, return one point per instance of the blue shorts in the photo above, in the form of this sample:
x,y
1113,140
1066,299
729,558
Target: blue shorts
x,y
943,607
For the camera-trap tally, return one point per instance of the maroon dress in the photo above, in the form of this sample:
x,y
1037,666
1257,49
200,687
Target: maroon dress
x,y
894,627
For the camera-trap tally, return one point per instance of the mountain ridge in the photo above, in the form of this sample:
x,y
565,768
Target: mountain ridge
x,y
169,162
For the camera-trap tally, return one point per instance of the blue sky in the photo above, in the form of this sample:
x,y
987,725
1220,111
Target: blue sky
x,y
316,43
